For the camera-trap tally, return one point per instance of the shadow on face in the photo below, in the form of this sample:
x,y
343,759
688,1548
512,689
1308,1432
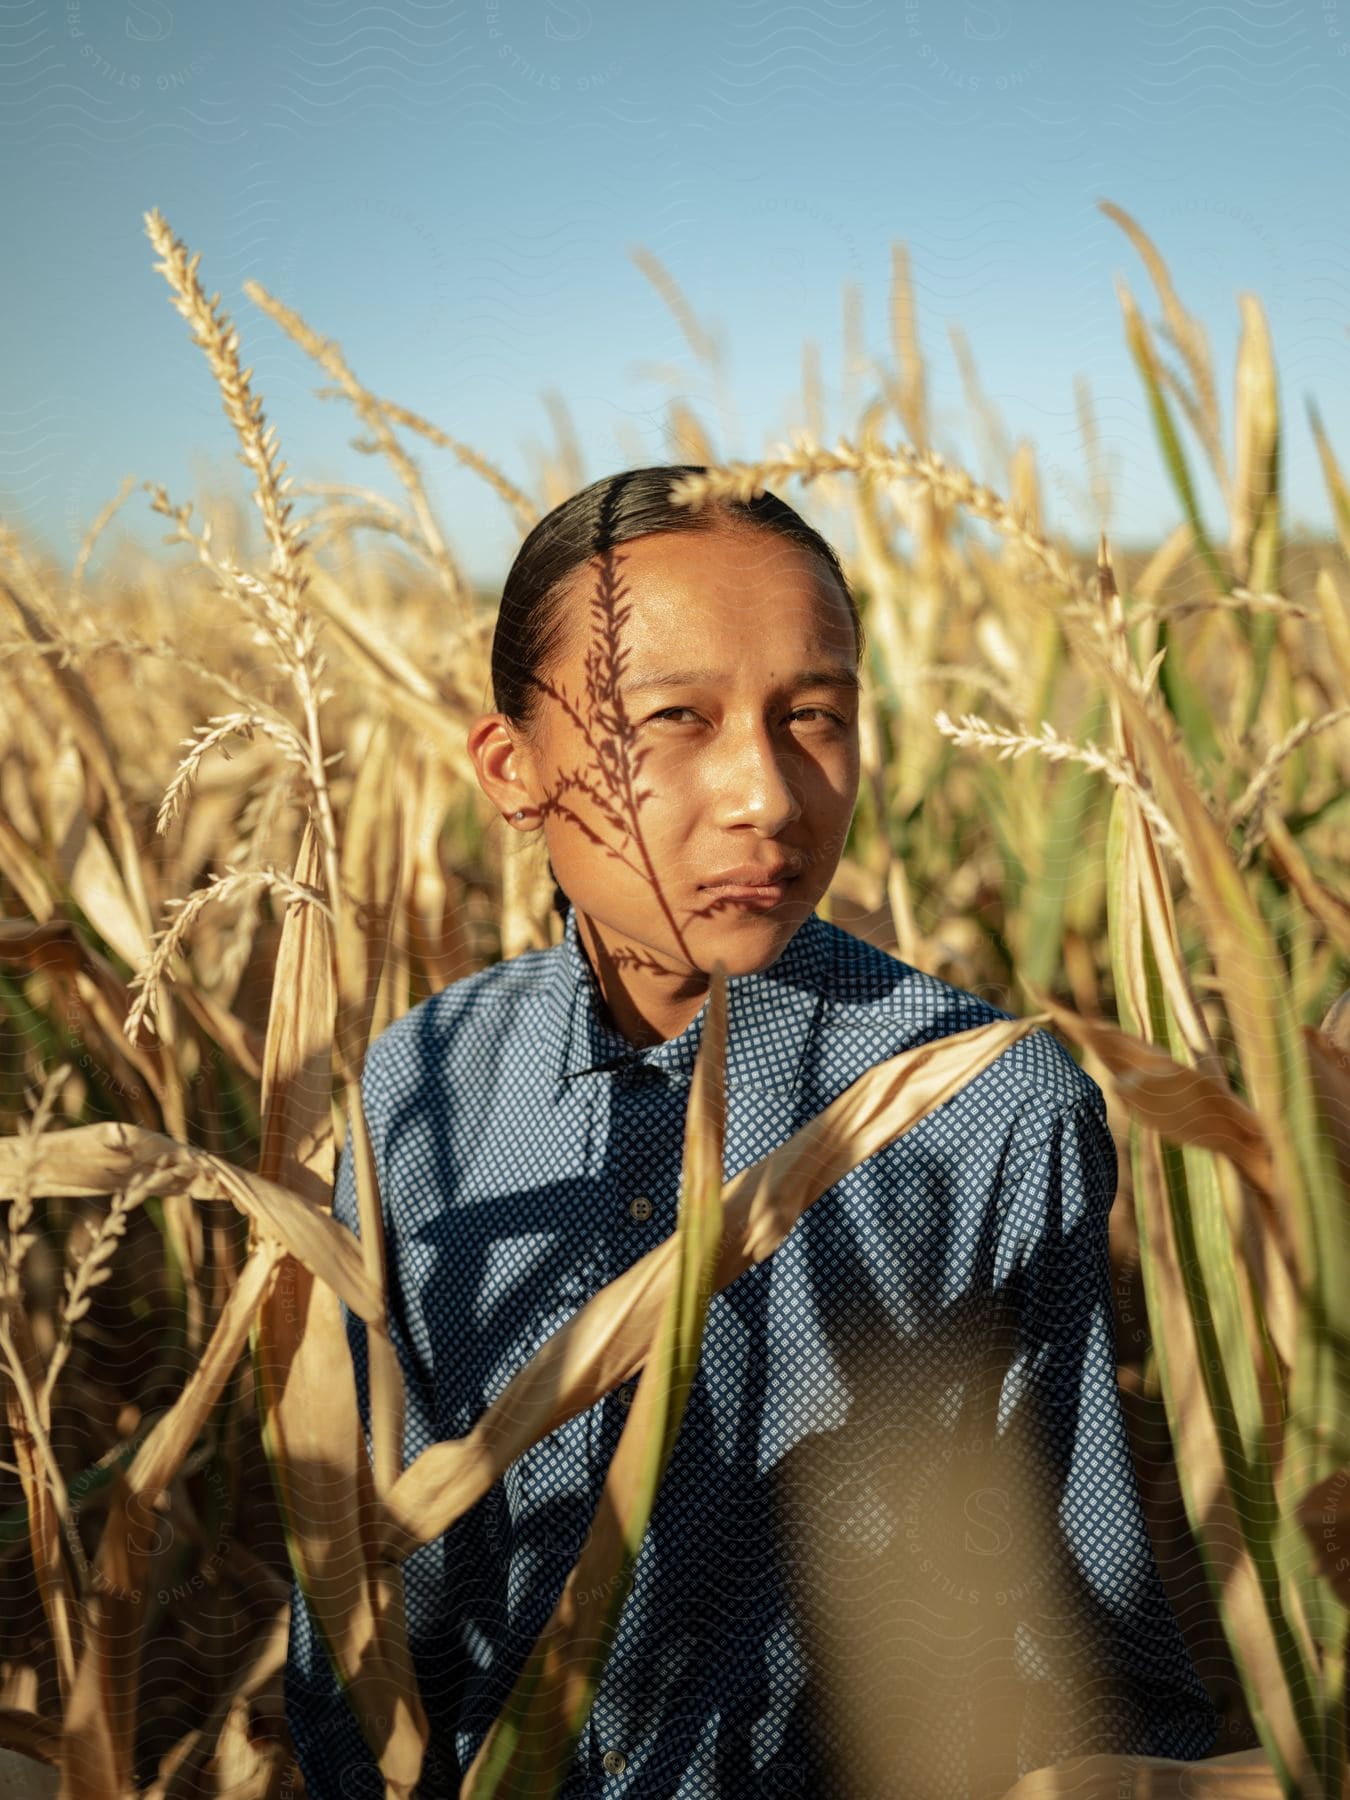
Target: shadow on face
x,y
704,719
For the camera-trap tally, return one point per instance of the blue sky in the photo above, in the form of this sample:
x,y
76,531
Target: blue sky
x,y
454,192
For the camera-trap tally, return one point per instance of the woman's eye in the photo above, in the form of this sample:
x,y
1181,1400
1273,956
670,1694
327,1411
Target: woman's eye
x,y
821,712
801,712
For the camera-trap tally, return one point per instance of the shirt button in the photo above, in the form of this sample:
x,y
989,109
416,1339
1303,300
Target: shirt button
x,y
624,1394
615,1762
640,1207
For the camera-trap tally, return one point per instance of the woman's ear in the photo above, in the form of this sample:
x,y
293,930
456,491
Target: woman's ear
x,y
503,763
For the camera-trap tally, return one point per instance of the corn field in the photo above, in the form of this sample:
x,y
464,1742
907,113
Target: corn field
x,y
241,835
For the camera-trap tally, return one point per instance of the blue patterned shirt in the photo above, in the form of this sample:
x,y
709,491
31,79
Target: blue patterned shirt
x,y
899,1548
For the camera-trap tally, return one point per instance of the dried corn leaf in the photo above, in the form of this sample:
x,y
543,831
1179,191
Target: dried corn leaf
x,y
60,1602
1329,1065
56,949
30,881
1255,1636
30,1735
100,1721
1336,624
1187,1106
1214,1375
102,1159
1255,500
404,691
370,863
306,1386
1179,1102
1288,860
1245,1775
127,905
86,864
1247,964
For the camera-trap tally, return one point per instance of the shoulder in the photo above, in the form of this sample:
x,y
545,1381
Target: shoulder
x,y
469,1017
877,1005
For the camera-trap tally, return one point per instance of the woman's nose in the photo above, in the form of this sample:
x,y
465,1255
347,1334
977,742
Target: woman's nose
x,y
758,779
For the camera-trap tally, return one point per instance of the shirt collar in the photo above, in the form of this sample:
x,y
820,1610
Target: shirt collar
x,y
770,1015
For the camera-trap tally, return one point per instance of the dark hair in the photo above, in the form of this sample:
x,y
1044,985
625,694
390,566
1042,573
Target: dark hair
x,y
533,624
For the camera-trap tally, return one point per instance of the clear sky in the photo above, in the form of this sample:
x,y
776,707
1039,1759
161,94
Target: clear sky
x,y
453,192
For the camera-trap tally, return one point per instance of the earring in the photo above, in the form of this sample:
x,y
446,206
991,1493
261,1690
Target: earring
x,y
520,814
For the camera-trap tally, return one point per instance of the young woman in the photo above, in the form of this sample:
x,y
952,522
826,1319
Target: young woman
x,y
899,1548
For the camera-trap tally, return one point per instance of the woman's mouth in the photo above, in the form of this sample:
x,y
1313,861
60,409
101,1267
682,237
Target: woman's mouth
x,y
760,897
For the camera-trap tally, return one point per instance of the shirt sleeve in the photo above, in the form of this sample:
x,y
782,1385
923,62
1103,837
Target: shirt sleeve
x,y
330,1747
1097,1644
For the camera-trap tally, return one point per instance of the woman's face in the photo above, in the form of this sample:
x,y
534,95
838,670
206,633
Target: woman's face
x,y
703,719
